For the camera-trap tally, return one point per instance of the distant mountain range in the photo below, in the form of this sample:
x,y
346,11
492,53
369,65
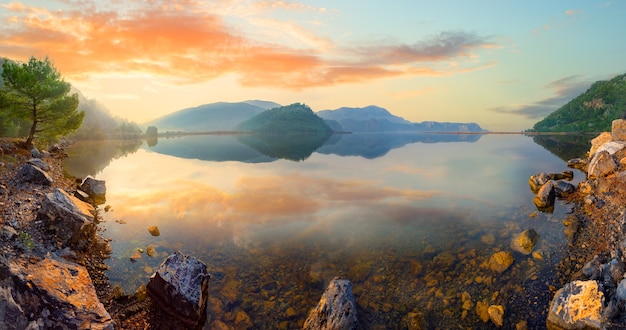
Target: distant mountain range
x,y
223,116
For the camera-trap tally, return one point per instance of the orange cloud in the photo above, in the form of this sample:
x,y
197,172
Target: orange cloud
x,y
184,41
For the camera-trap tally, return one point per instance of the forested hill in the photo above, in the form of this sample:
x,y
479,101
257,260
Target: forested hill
x,y
295,118
592,111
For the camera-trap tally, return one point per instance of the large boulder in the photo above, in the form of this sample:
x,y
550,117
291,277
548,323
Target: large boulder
x,y
545,196
602,164
72,220
53,294
335,310
96,189
39,163
599,141
33,174
180,287
618,129
578,305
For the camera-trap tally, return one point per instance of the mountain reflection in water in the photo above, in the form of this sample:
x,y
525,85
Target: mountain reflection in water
x,y
411,223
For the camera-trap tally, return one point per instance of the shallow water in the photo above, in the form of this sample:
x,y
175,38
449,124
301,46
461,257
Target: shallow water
x,y
410,219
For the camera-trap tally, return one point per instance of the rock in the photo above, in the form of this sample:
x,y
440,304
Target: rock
x,y
35,153
599,141
8,232
39,163
11,314
151,251
415,321
537,181
620,293
525,242
154,231
83,196
571,223
33,174
180,287
578,163
58,292
336,308
482,310
578,305
501,261
601,165
496,315
618,129
612,147
566,175
545,196
563,189
72,220
96,189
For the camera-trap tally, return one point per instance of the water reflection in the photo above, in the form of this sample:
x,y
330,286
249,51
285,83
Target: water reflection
x,y
377,145
413,229
566,146
296,147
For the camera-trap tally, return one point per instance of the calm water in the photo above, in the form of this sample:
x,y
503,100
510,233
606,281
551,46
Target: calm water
x,y
410,219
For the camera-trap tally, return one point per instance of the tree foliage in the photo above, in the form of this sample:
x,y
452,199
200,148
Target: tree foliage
x,y
592,111
35,92
292,119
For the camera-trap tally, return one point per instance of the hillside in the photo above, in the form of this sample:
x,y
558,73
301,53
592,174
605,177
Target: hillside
x,y
220,116
592,111
377,119
98,122
292,119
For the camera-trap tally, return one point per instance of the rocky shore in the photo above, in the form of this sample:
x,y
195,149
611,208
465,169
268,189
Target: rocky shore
x,y
593,274
51,266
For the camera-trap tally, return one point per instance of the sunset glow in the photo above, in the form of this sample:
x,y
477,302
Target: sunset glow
x,y
502,65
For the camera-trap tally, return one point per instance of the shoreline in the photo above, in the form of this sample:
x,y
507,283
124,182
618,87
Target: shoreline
x,y
597,236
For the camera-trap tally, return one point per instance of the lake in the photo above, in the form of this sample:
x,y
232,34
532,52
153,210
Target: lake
x,y
410,219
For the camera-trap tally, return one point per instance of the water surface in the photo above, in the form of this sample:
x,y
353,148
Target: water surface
x,y
410,219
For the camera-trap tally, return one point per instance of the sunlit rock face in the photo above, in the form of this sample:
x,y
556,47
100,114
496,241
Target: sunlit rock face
x,y
180,286
618,129
335,310
72,220
578,305
60,293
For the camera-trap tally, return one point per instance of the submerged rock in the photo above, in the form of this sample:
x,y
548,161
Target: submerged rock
x,y
525,242
154,231
335,310
496,315
180,286
501,261
72,220
578,305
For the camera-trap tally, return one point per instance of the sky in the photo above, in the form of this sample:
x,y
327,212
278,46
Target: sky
x,y
502,64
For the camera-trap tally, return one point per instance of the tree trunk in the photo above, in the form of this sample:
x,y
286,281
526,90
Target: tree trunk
x,y
33,128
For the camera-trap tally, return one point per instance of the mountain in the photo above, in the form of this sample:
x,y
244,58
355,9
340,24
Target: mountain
x,y
220,116
292,119
377,119
592,111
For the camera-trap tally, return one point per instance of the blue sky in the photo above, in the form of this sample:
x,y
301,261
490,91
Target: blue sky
x,y
502,64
